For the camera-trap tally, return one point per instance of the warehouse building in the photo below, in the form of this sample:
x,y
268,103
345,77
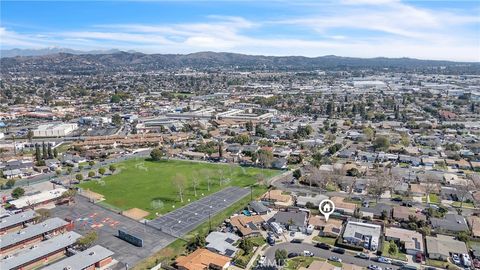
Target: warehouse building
x,y
54,130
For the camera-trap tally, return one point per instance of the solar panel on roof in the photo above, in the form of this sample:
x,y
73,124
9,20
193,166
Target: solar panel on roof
x,y
229,240
358,235
229,252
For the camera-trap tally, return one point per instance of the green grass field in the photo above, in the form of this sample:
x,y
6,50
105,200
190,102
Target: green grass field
x,y
149,185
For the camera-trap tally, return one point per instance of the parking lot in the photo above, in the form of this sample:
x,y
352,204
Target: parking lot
x,y
88,216
185,219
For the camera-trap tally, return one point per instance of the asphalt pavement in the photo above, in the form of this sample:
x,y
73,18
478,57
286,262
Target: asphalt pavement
x,y
322,253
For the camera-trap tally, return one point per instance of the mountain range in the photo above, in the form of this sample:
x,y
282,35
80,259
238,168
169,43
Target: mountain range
x,y
67,61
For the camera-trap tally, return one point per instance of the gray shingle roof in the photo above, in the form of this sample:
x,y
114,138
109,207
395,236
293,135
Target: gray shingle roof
x,y
83,259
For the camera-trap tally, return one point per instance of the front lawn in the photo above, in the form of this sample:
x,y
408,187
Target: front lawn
x,y
149,185
326,240
464,205
397,256
441,264
434,198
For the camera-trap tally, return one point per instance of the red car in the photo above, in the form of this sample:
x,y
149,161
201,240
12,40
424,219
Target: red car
x,y
476,263
419,257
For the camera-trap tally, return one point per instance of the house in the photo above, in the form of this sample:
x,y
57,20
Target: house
x,y
202,259
343,207
450,223
474,222
277,196
401,188
442,246
279,163
332,228
258,208
222,243
377,211
411,241
247,225
453,194
302,201
402,213
292,220
364,234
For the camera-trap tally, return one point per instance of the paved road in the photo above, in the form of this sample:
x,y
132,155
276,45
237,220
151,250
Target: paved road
x,y
318,252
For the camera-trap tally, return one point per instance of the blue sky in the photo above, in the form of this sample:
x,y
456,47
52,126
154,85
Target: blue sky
x,y
360,28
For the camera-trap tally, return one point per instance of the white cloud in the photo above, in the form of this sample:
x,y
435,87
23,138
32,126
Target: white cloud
x,y
400,30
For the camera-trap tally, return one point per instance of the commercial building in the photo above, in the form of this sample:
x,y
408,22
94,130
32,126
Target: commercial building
x,y
94,257
32,234
365,234
54,130
16,222
40,254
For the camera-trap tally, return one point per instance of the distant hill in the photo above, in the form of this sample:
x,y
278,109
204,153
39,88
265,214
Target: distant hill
x,y
69,63
49,51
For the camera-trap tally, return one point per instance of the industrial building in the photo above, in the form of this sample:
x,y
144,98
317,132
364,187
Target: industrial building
x,y
54,130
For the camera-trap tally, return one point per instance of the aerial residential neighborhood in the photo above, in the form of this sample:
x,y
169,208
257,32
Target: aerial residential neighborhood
x,y
172,153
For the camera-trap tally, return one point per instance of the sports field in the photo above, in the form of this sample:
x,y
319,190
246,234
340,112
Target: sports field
x,y
150,185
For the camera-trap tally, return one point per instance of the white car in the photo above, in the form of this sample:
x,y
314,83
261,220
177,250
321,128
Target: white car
x,y
456,259
466,260
307,253
384,260
262,261
335,259
374,267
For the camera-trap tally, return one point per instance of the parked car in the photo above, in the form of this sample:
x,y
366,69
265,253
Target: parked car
x,y
476,263
296,241
322,246
293,255
399,263
262,261
308,253
374,267
397,199
270,241
362,255
466,260
418,257
384,260
456,259
335,259
292,234
339,250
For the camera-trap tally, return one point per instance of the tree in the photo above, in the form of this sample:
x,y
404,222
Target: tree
x,y
117,120
197,242
112,168
462,236
79,176
43,214
91,174
297,174
381,143
206,173
195,184
156,154
369,133
18,192
10,183
58,172
69,170
44,151
101,170
246,244
265,158
55,153
49,151
382,181
179,184
91,163
69,194
392,248
249,126
80,167
38,155
87,240
30,135
405,140
280,256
